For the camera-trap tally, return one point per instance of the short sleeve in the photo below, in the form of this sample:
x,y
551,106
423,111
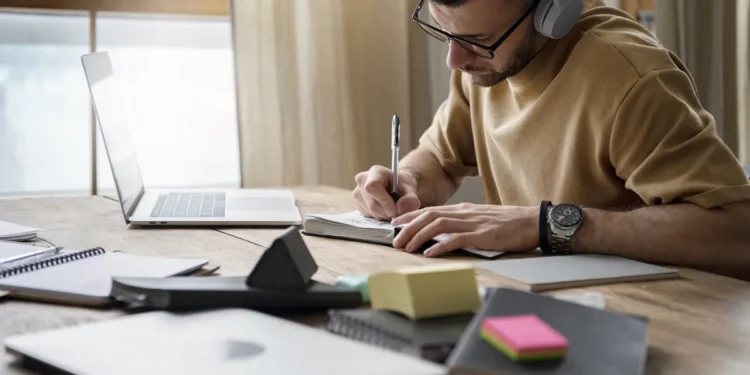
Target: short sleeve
x,y
665,146
450,138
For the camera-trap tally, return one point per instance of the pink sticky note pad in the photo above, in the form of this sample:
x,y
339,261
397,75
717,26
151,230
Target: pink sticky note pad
x,y
524,333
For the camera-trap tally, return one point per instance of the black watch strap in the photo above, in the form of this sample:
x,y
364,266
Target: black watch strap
x,y
544,242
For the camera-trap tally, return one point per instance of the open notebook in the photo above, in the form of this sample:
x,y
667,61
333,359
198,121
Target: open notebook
x,y
354,226
85,277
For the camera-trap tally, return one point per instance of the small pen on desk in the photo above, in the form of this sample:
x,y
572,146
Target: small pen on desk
x,y
25,258
395,124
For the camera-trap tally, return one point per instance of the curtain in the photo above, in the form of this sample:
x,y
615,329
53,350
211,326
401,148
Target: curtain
x,y
318,82
711,37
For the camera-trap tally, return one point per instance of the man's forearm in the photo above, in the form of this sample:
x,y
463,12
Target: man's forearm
x,y
434,185
680,234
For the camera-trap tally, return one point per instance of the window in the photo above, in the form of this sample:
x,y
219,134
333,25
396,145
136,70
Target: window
x,y
178,78
44,107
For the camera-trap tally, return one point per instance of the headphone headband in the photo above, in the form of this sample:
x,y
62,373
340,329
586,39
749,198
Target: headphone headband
x,y
555,18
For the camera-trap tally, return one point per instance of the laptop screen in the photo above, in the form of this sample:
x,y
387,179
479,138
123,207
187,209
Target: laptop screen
x,y
110,111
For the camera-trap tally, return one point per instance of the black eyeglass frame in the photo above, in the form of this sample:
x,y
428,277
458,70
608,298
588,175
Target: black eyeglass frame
x,y
490,49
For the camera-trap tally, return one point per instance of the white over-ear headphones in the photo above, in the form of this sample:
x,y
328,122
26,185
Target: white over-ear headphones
x,y
554,18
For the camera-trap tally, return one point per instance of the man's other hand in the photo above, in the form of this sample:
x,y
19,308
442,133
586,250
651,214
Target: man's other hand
x,y
483,227
373,197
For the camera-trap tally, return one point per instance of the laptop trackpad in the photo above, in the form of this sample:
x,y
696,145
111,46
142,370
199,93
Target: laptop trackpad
x,y
260,204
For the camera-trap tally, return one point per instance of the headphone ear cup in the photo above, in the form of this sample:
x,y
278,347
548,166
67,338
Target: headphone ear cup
x,y
540,14
554,20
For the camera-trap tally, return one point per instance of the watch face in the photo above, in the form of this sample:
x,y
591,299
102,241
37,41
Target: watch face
x,y
566,215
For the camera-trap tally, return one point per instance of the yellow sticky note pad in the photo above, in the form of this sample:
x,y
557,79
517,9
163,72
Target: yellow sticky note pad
x,y
426,291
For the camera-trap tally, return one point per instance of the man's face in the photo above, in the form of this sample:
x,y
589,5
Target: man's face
x,y
484,22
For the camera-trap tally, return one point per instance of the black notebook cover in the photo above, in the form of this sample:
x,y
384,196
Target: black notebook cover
x,y
431,339
599,341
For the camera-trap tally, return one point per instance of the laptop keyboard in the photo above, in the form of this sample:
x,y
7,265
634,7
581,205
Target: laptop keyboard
x,y
187,204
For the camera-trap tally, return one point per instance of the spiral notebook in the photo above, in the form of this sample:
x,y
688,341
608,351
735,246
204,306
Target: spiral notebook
x,y
85,277
431,339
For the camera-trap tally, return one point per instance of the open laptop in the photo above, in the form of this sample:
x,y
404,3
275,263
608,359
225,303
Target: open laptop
x,y
147,206
222,341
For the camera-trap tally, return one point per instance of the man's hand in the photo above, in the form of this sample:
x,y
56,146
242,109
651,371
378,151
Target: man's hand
x,y
373,198
484,227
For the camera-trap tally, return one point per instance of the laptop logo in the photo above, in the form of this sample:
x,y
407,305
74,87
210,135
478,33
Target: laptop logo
x,y
243,349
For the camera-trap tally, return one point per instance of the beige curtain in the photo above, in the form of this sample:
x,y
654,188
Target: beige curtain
x,y
318,82
711,37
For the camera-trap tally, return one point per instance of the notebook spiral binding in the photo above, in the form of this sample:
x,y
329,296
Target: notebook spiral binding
x,y
367,333
54,261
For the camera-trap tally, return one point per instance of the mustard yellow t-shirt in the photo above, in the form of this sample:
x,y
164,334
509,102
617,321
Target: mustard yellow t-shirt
x,y
605,117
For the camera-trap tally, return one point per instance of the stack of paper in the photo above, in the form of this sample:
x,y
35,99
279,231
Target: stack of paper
x,y
16,232
426,291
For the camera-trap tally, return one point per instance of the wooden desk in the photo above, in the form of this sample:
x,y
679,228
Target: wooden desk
x,y
699,324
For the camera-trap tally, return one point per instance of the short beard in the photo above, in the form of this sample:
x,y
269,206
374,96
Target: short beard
x,y
525,52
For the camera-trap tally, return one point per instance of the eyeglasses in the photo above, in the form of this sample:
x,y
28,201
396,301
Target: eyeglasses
x,y
487,52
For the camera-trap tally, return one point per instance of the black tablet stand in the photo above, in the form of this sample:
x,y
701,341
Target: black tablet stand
x,y
280,280
286,264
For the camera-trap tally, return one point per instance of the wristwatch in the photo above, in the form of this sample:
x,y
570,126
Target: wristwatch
x,y
564,220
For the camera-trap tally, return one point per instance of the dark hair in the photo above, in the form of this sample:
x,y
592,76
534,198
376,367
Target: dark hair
x,y
457,3
449,3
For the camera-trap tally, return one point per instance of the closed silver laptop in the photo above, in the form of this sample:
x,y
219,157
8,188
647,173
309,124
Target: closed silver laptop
x,y
148,206
226,342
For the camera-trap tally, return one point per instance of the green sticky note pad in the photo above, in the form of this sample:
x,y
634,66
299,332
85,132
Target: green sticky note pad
x,y
358,282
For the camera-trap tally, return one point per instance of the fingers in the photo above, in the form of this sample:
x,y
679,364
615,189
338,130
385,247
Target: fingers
x,y
409,216
407,203
452,243
372,195
374,199
375,186
360,178
437,220
435,228
364,211
368,207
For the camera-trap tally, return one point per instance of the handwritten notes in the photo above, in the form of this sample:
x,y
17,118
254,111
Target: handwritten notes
x,y
355,219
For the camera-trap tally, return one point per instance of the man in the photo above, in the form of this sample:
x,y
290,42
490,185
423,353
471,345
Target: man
x,y
602,121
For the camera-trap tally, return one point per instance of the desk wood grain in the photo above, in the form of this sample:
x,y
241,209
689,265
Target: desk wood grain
x,y
700,324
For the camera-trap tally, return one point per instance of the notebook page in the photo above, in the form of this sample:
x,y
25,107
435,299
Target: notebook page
x,y
92,277
354,219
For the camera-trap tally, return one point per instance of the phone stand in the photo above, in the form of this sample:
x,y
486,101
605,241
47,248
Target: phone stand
x,y
286,264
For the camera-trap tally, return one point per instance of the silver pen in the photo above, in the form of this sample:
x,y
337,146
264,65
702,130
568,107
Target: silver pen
x,y
28,257
395,125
